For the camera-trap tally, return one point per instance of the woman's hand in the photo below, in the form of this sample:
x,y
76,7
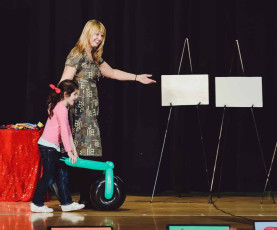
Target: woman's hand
x,y
72,157
145,79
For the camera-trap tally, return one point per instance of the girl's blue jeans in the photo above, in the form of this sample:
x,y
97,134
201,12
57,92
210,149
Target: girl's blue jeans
x,y
54,170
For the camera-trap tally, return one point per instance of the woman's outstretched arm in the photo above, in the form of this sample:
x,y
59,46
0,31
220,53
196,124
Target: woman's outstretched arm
x,y
120,75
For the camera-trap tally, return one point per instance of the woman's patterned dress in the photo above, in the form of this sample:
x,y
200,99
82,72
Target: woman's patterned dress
x,y
83,116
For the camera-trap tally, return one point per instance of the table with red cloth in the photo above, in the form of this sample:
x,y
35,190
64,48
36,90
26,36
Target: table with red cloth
x,y
20,167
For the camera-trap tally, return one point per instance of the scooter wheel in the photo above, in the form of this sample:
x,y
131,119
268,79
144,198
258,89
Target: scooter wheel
x,y
97,195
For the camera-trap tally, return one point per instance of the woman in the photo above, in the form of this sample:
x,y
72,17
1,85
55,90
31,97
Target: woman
x,y
85,64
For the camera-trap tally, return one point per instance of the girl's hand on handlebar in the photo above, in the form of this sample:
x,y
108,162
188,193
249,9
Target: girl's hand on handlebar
x,y
72,157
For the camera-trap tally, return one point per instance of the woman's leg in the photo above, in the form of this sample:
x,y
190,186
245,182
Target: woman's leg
x,y
48,162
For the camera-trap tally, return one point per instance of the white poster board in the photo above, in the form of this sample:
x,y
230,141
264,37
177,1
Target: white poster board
x,y
185,89
238,91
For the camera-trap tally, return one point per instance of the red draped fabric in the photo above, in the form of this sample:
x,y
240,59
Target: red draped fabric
x,y
20,167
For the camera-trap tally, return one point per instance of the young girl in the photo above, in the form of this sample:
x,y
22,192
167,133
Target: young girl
x,y
57,130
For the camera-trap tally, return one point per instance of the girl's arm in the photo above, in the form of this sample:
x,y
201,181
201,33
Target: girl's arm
x,y
116,74
73,146
73,153
62,116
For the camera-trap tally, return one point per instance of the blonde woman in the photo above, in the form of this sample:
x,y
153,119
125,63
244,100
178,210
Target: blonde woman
x,y
85,64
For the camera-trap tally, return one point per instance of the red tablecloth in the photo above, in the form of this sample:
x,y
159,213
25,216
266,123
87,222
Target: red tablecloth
x,y
20,166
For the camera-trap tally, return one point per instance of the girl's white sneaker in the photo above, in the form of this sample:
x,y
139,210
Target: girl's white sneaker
x,y
72,207
35,208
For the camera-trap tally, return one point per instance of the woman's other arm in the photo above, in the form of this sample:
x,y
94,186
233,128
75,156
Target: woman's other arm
x,y
68,73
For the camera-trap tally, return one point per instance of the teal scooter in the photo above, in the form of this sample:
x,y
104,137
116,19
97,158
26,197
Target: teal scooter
x,y
108,192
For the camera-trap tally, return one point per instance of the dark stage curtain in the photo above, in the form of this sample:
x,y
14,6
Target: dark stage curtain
x,y
147,37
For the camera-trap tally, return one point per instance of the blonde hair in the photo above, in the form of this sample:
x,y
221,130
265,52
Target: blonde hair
x,y
91,27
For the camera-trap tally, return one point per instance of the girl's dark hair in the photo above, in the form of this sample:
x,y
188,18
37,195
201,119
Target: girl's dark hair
x,y
67,87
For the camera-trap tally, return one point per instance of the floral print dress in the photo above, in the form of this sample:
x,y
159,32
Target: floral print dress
x,y
83,116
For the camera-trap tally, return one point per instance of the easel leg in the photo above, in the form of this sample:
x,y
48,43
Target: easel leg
x,y
203,147
223,154
220,174
218,145
161,154
262,155
269,171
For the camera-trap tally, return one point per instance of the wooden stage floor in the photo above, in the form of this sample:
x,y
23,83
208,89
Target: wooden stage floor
x,y
138,213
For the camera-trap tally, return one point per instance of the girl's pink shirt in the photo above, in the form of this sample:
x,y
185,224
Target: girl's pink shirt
x,y
57,128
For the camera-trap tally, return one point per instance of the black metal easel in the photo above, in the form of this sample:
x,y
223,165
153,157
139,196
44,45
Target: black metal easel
x,y
220,135
169,116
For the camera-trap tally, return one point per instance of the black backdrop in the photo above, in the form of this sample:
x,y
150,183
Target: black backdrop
x,y
147,37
